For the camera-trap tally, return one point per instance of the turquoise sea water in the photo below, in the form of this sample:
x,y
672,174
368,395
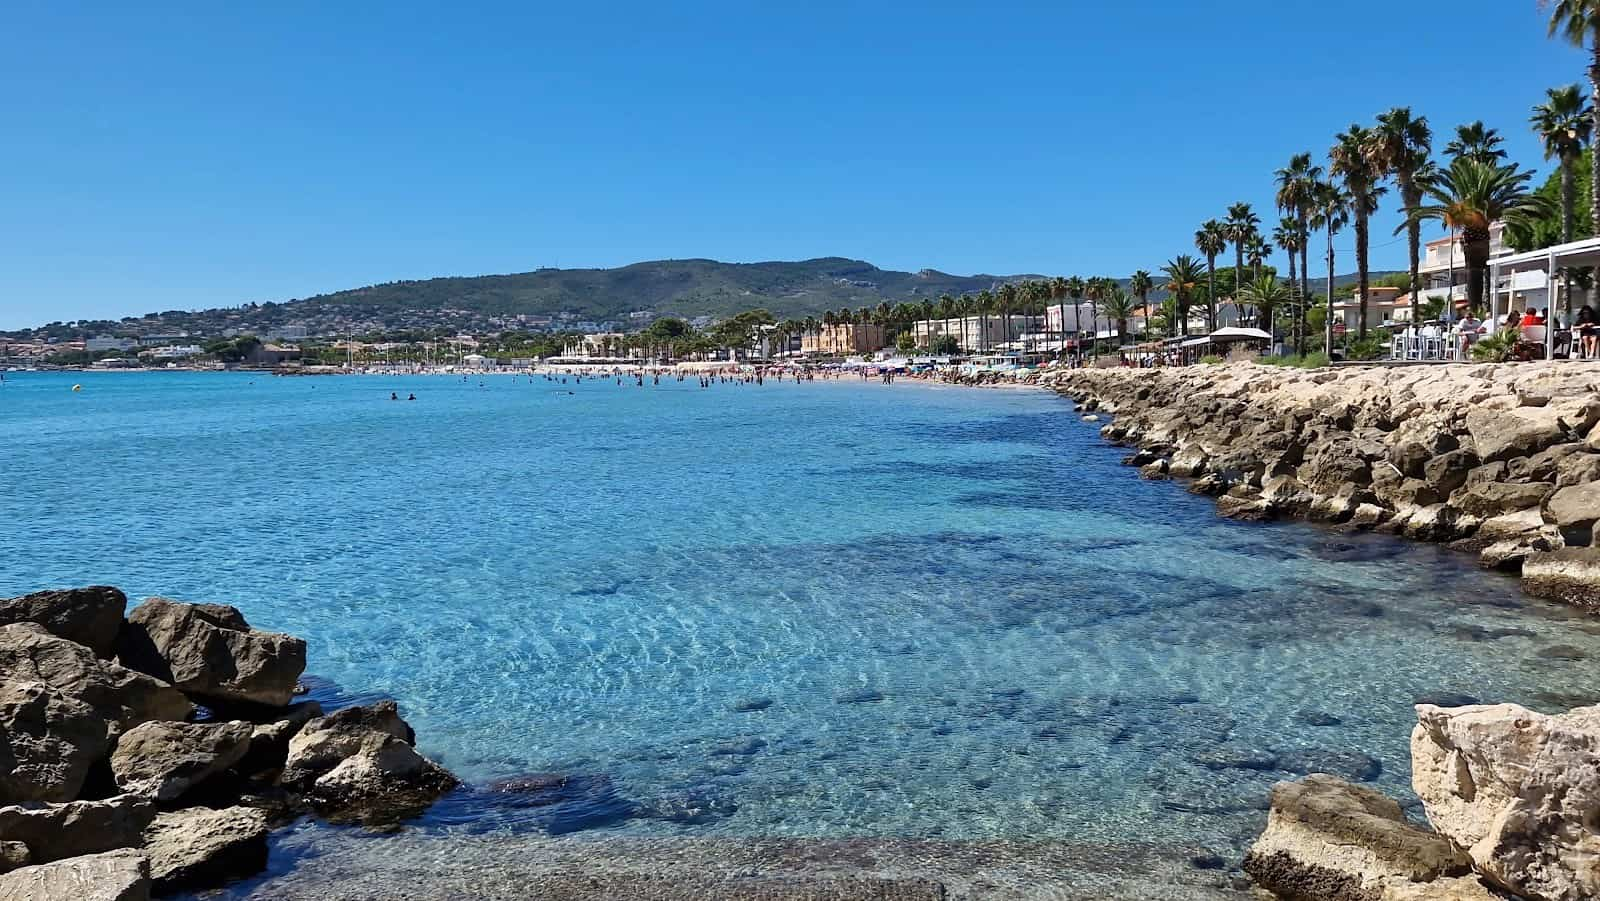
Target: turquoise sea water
x,y
818,610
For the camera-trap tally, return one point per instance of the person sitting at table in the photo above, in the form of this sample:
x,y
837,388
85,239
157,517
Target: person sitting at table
x,y
1532,317
1588,327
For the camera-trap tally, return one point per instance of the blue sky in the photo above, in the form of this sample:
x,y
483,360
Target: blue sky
x,y
165,156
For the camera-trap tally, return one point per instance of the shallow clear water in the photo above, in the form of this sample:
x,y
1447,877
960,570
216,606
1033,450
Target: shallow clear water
x,y
958,615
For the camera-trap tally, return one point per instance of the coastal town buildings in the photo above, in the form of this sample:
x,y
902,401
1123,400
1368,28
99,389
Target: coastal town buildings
x,y
972,332
844,338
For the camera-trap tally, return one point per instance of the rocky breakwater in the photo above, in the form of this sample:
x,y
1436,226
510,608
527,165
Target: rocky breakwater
x,y
1501,460
153,754
1513,797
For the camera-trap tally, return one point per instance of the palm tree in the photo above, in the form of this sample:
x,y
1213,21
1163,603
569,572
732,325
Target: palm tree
x,y
1266,294
1211,240
1564,124
1141,284
1352,160
1058,292
1183,276
1579,22
1297,189
1472,194
1287,237
1474,141
1096,290
1005,297
1330,212
928,306
1118,307
947,308
1241,227
983,305
1403,145
1075,289
1256,251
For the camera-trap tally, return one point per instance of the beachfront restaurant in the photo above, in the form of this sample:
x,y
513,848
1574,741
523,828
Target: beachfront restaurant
x,y
1222,342
1521,281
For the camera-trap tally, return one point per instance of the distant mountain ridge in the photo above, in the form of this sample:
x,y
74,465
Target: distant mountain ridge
x,y
688,288
684,288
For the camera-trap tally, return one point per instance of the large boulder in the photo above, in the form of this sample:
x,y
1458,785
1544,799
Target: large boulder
x,y
48,742
1518,432
1518,791
1569,574
359,764
165,760
209,650
1333,841
1488,499
1574,510
269,741
14,856
59,831
201,848
126,698
112,876
385,782
325,741
90,616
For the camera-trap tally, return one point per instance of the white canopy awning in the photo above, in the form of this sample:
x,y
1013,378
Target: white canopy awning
x,y
1236,333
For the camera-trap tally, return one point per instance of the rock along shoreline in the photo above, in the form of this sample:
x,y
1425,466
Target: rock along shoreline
x,y
1501,460
153,754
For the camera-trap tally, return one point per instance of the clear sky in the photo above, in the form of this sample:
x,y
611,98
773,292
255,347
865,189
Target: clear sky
x,y
162,156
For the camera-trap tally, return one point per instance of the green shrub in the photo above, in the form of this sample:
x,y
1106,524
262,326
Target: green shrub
x,y
1369,348
1309,361
1211,360
1498,347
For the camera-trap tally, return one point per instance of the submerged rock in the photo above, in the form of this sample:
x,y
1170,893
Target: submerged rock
x,y
1333,841
89,616
1518,791
359,765
112,876
200,848
48,742
209,650
165,760
1570,575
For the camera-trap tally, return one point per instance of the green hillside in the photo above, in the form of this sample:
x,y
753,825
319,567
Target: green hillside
x,y
673,287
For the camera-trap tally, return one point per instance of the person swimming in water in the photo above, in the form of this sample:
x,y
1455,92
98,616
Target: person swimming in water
x,y
393,396
411,397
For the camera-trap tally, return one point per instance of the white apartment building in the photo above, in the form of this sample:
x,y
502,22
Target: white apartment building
x,y
1443,269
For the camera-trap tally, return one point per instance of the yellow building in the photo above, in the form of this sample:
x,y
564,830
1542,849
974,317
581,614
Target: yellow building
x,y
846,338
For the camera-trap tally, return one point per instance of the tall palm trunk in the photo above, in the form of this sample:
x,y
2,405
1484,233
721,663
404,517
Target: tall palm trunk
x,y
1475,247
1568,180
1077,330
1293,284
1412,197
1361,267
1238,267
1305,282
1211,296
1327,324
1594,106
